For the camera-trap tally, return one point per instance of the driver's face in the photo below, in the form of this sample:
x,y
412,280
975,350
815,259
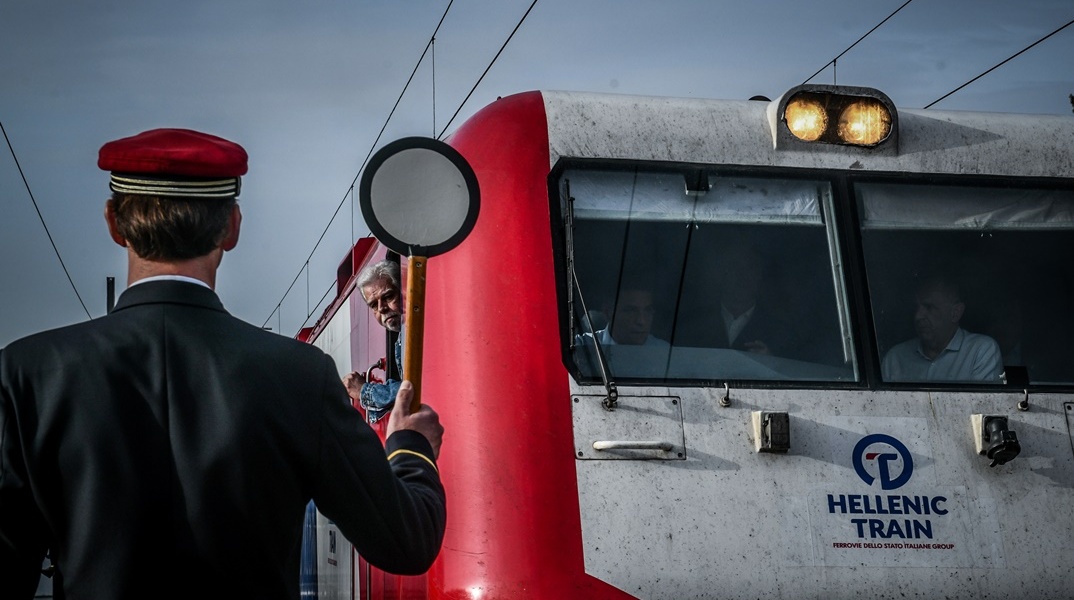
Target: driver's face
x,y
633,318
387,305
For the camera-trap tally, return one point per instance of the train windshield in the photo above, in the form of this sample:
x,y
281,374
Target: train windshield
x,y
697,275
993,262
705,277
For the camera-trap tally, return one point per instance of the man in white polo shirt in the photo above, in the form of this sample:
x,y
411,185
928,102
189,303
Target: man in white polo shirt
x,y
942,350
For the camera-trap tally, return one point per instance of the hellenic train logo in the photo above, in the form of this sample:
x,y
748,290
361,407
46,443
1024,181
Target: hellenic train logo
x,y
885,456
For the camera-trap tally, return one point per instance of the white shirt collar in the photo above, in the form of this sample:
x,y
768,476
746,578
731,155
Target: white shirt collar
x,y
170,278
953,345
605,337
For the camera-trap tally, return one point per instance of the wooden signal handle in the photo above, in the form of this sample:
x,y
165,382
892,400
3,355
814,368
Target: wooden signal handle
x,y
415,326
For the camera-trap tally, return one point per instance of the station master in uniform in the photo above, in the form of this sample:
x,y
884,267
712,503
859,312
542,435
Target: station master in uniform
x,y
169,448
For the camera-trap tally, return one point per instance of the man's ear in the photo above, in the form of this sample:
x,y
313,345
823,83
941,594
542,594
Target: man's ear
x,y
113,229
233,223
956,311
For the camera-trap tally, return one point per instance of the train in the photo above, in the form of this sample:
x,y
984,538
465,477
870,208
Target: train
x,y
606,438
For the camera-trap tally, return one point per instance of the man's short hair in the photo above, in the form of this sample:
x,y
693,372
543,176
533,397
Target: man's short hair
x,y
940,282
169,229
378,271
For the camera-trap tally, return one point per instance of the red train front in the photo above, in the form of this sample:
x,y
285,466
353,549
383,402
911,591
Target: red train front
x,y
675,471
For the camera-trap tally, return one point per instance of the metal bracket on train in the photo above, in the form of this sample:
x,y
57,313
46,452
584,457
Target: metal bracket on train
x,y
771,431
611,401
381,365
993,438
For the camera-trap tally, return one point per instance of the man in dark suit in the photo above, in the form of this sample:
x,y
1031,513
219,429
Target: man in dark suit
x,y
735,318
169,447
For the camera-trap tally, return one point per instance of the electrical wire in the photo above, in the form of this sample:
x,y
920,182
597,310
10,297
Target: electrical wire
x,y
877,26
1000,64
350,190
42,218
467,98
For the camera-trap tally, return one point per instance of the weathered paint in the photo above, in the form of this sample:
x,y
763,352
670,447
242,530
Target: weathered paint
x,y
685,130
730,522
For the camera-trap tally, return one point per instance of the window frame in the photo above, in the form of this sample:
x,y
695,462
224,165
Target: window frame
x,y
847,233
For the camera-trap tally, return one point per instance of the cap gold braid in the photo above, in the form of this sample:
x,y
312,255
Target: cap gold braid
x,y
175,187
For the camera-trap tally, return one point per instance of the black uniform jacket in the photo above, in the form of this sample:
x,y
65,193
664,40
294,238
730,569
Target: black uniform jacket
x,y
171,449
711,332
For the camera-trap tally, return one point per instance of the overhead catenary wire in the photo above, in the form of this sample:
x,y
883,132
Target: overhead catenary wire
x,y
1001,63
350,190
840,55
432,64
56,250
429,46
492,62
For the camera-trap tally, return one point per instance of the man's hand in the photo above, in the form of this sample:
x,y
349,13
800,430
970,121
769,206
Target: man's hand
x,y
425,421
353,382
757,346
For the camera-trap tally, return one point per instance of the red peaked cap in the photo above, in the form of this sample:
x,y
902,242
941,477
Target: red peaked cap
x,y
174,163
169,152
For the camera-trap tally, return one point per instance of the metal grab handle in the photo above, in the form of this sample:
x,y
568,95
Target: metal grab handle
x,y
628,445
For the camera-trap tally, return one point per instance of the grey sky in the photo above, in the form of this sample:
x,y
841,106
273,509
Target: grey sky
x,y
306,87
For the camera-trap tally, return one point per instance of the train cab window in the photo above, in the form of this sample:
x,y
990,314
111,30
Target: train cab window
x,y
970,284
695,276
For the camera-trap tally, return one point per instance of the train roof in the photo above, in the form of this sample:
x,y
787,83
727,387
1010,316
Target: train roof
x,y
741,132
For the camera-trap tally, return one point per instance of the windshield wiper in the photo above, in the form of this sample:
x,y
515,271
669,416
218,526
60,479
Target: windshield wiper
x,y
612,399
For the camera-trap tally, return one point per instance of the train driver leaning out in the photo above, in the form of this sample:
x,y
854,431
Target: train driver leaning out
x,y
942,350
631,320
380,287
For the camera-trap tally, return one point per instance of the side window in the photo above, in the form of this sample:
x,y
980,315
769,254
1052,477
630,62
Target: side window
x,y
970,284
729,278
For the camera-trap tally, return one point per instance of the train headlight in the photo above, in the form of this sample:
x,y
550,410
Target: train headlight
x,y
865,122
806,119
819,116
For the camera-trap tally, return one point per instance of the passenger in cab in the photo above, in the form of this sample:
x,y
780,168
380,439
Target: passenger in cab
x,y
735,318
942,350
631,320
169,444
379,285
